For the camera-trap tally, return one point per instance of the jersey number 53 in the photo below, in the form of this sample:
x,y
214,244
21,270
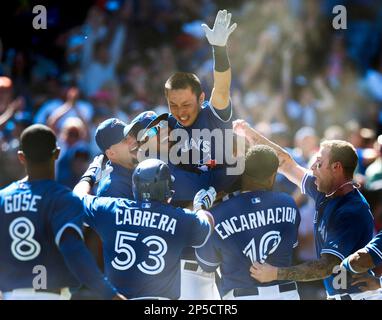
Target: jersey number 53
x,y
124,249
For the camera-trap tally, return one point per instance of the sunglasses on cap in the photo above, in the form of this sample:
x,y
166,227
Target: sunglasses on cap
x,y
153,131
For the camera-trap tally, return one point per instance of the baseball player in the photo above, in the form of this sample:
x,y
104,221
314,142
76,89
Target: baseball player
x,y
189,112
143,239
255,224
40,228
343,222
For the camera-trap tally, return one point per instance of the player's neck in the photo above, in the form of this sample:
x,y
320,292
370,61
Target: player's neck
x,y
37,172
254,186
342,189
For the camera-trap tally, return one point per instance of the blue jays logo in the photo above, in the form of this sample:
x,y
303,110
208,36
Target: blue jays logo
x,y
115,122
197,144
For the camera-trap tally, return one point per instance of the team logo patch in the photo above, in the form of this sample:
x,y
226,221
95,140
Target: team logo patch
x,y
115,122
146,205
255,200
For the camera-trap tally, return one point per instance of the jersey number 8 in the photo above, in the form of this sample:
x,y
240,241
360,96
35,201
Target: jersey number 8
x,y
122,247
23,247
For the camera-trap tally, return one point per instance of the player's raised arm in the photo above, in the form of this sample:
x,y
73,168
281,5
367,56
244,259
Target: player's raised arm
x,y
288,166
217,37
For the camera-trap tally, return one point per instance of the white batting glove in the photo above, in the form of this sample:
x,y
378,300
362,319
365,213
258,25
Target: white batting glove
x,y
95,171
204,199
218,35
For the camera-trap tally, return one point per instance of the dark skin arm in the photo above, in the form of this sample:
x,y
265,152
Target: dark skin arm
x,y
307,271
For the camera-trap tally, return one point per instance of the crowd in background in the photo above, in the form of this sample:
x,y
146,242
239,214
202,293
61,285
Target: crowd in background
x,y
296,79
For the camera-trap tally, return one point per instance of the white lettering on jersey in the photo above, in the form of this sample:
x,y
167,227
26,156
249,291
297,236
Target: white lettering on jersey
x,y
255,220
21,202
145,219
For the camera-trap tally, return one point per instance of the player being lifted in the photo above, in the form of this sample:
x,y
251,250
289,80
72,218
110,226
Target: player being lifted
x,y
190,111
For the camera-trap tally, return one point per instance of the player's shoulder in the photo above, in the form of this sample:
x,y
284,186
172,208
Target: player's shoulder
x,y
282,197
10,188
61,194
274,197
354,205
354,200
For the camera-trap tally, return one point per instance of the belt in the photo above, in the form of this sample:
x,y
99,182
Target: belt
x,y
191,266
59,291
242,292
341,297
55,291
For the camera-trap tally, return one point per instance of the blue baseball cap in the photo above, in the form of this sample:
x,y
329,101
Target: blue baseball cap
x,y
110,132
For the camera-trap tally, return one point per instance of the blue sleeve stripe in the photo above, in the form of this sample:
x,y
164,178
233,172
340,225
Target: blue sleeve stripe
x,y
206,238
61,231
295,245
303,181
331,251
207,263
348,266
216,114
375,249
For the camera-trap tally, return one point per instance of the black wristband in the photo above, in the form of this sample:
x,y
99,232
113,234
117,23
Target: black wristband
x,y
221,61
88,179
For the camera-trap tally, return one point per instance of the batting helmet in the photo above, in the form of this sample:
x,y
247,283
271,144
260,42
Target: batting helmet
x,y
152,181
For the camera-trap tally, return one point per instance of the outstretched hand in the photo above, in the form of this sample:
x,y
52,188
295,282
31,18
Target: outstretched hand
x,y
95,171
219,34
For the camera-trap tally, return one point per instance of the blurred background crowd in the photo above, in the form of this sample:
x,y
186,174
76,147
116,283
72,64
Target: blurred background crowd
x,y
295,78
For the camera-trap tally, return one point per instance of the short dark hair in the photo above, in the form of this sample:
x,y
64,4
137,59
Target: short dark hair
x,y
38,142
261,162
183,80
343,152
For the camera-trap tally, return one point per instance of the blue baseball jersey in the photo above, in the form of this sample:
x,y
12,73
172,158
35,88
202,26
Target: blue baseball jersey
x,y
142,243
205,149
187,183
342,225
33,216
117,184
374,248
251,226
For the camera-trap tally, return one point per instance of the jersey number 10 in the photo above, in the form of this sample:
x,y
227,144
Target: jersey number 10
x,y
267,245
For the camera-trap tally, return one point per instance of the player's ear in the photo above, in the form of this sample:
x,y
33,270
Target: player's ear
x,y
272,180
201,98
21,157
336,165
56,153
109,153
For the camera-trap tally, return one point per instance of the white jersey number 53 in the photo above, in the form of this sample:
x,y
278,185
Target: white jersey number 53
x,y
158,248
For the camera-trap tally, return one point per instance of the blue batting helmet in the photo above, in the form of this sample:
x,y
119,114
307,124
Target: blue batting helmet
x,y
152,181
